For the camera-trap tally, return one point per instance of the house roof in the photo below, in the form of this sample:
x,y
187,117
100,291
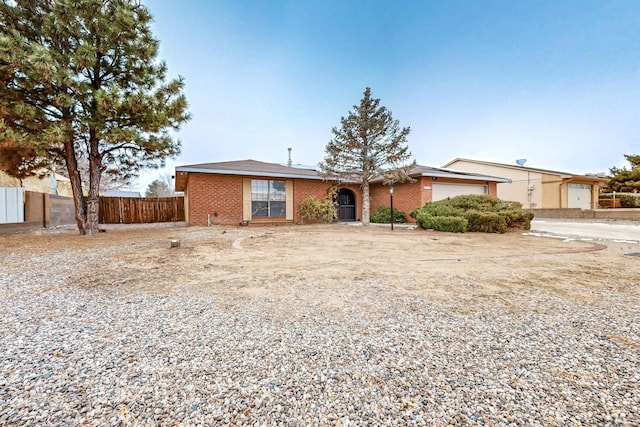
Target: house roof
x,y
275,170
421,170
245,167
566,175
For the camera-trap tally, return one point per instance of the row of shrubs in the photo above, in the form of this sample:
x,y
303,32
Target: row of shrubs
x,y
458,214
324,210
472,213
624,200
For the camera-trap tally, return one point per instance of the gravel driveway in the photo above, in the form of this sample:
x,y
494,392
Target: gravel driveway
x,y
279,327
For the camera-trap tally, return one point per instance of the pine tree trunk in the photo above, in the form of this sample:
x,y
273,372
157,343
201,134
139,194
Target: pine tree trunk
x,y
76,186
94,185
93,200
86,207
365,202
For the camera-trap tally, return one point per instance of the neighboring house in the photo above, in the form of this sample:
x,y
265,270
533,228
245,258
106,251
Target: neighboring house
x,y
49,183
121,193
538,188
246,191
35,202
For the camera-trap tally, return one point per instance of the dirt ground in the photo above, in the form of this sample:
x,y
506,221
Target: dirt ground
x,y
318,264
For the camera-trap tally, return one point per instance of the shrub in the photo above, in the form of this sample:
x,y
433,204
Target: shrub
x,y
486,222
441,209
623,200
314,210
451,224
628,201
481,213
518,219
473,202
383,216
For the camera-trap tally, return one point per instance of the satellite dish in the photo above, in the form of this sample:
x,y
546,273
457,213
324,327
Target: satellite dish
x,y
521,162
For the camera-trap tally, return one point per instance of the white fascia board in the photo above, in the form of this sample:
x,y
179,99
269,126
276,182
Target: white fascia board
x,y
246,173
469,177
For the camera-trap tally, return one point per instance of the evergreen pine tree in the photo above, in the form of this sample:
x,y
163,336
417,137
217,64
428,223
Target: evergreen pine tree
x,y
79,79
626,180
158,188
369,144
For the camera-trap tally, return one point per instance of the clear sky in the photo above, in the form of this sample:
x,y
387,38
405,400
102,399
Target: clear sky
x,y
554,81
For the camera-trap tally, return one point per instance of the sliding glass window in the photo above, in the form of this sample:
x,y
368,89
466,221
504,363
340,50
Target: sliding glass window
x,y
268,198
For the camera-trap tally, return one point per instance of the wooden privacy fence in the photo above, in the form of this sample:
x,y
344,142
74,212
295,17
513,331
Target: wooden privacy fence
x,y
135,210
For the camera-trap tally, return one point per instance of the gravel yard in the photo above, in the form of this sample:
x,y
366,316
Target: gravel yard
x,y
317,325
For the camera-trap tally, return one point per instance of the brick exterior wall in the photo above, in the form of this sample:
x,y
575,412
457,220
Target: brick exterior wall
x,y
303,188
493,189
220,196
408,196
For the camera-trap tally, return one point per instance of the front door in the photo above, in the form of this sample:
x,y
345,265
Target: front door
x,y
346,205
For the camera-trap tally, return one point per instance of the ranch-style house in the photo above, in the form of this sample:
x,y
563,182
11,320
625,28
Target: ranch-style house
x,y
250,192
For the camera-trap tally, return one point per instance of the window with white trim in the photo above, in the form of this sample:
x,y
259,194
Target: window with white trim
x,y
268,198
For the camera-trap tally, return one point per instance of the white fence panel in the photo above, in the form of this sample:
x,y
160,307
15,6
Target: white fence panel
x,y
11,205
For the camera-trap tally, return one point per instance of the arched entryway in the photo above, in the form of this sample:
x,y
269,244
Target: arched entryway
x,y
346,205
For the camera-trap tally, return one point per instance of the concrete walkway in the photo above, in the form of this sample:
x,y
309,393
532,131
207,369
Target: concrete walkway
x,y
627,231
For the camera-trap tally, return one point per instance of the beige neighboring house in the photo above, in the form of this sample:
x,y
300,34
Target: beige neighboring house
x,y
48,184
538,188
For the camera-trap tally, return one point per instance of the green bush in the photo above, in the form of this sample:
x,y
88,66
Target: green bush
x,y
623,200
481,213
451,224
486,222
314,210
473,202
383,216
441,209
517,219
628,201
506,205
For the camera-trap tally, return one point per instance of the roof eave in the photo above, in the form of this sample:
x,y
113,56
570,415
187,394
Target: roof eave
x,y
247,173
563,175
469,177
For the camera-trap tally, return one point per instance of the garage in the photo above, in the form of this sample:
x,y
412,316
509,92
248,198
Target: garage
x,y
442,191
579,196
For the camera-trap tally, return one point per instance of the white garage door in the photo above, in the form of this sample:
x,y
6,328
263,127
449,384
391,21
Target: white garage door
x,y
579,196
441,191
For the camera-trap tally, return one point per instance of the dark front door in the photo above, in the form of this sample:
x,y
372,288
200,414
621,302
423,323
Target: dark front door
x,y
346,205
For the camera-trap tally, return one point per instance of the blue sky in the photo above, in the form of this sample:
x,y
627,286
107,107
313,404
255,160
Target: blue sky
x,y
555,82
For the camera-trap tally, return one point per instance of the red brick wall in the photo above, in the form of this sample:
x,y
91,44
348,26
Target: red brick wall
x,y
426,194
219,196
493,189
406,196
303,188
